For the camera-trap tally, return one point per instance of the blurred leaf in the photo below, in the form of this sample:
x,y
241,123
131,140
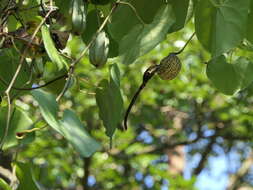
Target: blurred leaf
x,y
180,9
48,108
220,27
9,62
74,131
109,101
51,50
137,42
147,11
70,126
223,75
250,24
123,14
4,185
19,121
244,69
25,176
113,46
92,26
100,2
115,74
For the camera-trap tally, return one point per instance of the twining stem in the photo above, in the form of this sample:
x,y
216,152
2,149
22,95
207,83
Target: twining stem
x,y
134,10
188,41
21,134
36,87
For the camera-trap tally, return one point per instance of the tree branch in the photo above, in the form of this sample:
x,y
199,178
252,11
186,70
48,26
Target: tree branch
x,y
235,179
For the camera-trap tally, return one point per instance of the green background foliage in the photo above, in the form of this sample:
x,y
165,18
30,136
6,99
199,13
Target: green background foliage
x,y
78,141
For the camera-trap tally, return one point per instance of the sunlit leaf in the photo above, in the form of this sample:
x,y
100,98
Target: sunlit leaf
x,y
50,48
70,126
138,41
74,131
4,185
220,27
48,108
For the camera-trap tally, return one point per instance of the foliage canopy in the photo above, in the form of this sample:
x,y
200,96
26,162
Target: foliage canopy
x,y
72,64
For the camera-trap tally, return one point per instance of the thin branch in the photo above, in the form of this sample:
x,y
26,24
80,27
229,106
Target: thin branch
x,y
86,168
7,92
188,41
73,64
133,8
205,154
37,87
242,171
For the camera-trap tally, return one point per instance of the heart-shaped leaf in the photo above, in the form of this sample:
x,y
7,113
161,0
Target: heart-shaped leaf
x,y
221,27
223,75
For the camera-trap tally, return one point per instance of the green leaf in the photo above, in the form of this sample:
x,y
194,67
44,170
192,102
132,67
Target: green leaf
x,y
4,185
147,11
70,126
109,101
123,14
19,121
244,69
92,26
26,178
113,46
138,41
250,24
115,74
48,108
100,2
51,50
9,62
221,27
73,130
79,16
180,9
223,75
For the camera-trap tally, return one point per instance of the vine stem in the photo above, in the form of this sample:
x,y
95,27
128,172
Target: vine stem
x,y
7,92
188,41
73,64
37,87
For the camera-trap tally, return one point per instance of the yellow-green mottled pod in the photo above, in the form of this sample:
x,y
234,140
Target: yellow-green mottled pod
x,y
169,67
